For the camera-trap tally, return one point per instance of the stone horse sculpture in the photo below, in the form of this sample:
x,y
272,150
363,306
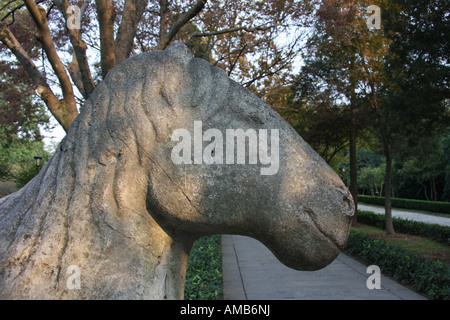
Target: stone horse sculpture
x,y
112,202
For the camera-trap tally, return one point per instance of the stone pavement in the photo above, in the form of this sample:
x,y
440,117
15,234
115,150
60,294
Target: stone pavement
x,y
251,271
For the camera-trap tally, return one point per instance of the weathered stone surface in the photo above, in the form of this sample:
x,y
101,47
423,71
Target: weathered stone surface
x,y
112,202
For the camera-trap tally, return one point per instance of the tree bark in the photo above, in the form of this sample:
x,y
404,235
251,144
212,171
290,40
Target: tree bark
x,y
81,65
388,186
106,15
164,9
67,109
133,11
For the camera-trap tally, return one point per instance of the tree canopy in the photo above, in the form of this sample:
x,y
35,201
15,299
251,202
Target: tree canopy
x,y
66,63
390,83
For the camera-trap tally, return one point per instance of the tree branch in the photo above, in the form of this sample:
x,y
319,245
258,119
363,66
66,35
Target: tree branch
x,y
163,10
7,4
267,72
11,42
191,13
247,29
75,75
55,106
13,10
84,82
133,11
106,15
237,59
39,16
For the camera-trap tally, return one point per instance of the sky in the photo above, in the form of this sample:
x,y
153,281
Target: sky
x,y
53,137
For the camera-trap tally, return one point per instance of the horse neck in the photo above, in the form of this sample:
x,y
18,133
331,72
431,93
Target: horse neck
x,y
69,215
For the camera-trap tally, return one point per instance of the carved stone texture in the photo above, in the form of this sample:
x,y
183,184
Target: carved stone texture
x,y
112,203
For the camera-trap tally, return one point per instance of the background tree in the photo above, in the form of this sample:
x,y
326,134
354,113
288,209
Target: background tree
x,y
412,101
372,179
21,119
392,81
238,36
422,168
344,55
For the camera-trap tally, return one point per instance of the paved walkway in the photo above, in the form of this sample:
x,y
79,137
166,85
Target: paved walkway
x,y
251,272
403,213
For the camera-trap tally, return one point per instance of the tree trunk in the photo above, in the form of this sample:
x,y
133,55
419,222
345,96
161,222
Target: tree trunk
x,y
353,167
79,67
133,11
424,190
106,14
388,187
433,190
112,51
163,11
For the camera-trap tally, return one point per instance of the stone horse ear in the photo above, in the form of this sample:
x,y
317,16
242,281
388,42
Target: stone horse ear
x,y
124,197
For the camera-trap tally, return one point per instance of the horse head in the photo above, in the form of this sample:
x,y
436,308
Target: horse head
x,y
166,150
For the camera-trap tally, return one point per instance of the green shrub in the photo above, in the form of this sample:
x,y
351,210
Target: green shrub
x,y
7,187
429,277
431,231
204,270
431,206
24,176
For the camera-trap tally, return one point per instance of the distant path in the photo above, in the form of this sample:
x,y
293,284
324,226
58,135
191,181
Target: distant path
x,y
405,214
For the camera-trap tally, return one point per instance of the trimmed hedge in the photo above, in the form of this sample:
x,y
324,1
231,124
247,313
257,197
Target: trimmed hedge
x,y
431,231
431,206
429,277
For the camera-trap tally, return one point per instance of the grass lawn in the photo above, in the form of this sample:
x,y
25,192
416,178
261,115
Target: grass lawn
x,y
429,248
